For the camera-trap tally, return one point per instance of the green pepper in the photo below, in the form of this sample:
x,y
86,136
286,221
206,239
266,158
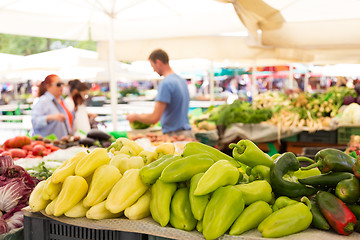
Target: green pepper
x,y
181,216
334,160
260,172
305,159
255,191
326,180
288,220
299,174
246,152
221,173
282,202
192,148
197,203
151,172
251,217
224,207
355,209
275,156
161,194
287,162
199,226
184,168
319,220
348,190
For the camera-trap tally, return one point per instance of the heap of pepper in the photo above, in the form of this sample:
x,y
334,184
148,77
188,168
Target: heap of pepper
x,y
202,189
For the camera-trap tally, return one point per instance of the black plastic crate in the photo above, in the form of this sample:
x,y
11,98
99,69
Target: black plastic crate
x,y
318,136
38,227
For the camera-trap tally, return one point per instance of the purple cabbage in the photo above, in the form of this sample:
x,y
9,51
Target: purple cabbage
x,y
10,195
5,162
17,171
15,221
3,226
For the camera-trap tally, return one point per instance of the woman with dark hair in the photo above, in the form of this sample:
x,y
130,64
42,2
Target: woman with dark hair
x,y
76,102
50,115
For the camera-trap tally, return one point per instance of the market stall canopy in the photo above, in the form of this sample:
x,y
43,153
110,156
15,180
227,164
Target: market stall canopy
x,y
215,48
301,23
133,19
68,63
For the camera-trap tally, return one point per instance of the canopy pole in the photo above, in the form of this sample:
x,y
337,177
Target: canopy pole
x,y
254,91
113,85
212,83
291,76
306,79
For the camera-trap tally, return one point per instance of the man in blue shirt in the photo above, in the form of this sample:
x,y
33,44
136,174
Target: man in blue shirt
x,y
172,101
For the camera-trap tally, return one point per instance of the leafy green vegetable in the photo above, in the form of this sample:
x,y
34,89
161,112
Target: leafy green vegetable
x,y
40,171
239,112
139,125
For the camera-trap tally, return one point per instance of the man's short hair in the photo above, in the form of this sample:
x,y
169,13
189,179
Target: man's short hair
x,y
160,55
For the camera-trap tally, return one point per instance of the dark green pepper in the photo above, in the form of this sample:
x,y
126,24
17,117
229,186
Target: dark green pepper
x,y
246,152
255,191
287,162
260,172
319,220
224,207
305,159
348,190
151,172
334,160
198,203
288,220
192,148
181,216
251,217
184,168
355,209
326,180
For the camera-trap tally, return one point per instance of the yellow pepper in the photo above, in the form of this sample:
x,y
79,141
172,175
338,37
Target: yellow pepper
x,y
99,212
87,165
103,180
164,149
79,210
67,168
36,201
116,159
74,189
148,156
128,145
140,209
49,210
51,189
126,191
135,162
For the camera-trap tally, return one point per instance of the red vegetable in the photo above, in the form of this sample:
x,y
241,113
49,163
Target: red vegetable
x,y
17,153
6,153
27,148
38,150
338,215
17,142
34,143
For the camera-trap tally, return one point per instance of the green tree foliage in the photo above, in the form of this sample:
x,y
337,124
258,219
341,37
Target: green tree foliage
x,y
25,45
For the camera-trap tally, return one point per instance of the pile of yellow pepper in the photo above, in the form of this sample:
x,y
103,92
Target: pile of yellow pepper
x,y
97,186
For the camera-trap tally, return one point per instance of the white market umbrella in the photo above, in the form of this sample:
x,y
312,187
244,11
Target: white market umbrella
x,y
112,19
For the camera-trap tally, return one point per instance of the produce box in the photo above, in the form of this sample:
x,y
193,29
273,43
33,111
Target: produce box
x,y
344,134
318,136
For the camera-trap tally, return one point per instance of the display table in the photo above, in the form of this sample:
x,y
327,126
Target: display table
x,y
149,227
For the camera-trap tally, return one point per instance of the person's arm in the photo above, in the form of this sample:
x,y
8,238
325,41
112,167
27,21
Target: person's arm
x,y
149,118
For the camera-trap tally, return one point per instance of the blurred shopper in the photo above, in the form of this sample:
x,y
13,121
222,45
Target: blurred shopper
x,y
76,102
172,101
50,115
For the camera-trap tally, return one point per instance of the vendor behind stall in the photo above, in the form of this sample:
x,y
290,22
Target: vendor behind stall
x,y
50,115
172,101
